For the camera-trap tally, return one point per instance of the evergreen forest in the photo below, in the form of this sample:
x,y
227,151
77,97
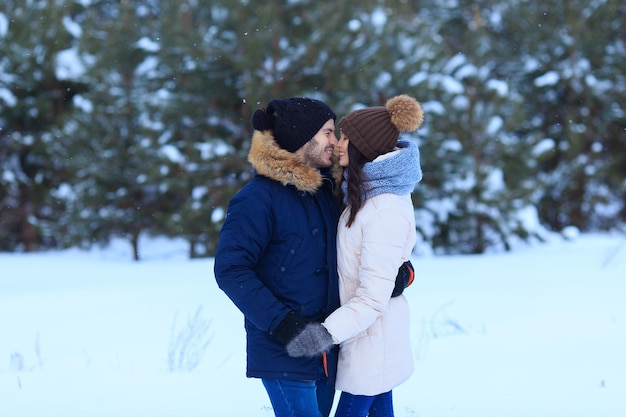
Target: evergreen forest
x,y
131,118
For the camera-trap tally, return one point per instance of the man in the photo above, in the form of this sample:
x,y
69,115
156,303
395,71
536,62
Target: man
x,y
277,257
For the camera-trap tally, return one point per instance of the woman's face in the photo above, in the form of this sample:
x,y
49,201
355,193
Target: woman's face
x,y
343,150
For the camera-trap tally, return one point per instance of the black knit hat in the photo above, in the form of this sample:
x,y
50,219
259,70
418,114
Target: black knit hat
x,y
294,121
374,131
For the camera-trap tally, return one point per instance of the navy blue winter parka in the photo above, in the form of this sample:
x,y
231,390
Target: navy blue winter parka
x,y
277,252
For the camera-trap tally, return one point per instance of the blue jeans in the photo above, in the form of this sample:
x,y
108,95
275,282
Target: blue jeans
x,y
380,405
299,398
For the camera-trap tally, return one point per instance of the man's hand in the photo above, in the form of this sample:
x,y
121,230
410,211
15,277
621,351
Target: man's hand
x,y
291,326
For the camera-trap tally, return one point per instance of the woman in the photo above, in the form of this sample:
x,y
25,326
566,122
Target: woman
x,y
376,235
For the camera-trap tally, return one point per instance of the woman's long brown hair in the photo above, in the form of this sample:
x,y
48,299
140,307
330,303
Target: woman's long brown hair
x,y
356,183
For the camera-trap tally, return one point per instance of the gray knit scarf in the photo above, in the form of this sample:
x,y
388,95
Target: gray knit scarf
x,y
397,174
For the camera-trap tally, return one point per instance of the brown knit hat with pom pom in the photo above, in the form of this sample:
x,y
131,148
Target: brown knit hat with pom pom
x,y
375,130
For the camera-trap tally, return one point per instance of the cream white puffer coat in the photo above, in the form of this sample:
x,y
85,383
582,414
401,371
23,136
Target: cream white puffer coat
x,y
372,328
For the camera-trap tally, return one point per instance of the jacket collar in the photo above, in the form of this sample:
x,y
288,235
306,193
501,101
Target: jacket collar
x,y
272,161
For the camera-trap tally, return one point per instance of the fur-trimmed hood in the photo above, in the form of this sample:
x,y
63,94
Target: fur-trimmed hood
x,y
272,161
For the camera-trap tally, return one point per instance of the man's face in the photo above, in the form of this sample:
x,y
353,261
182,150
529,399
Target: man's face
x,y
317,152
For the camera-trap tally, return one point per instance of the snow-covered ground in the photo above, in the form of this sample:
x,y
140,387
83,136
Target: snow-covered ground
x,y
540,332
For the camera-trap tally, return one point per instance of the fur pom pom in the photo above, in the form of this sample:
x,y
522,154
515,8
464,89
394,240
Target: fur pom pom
x,y
406,113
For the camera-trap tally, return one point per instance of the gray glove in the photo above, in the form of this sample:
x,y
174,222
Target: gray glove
x,y
312,341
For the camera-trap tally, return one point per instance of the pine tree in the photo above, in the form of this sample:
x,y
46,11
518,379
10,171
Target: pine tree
x,y
34,96
476,193
113,138
571,58
201,120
